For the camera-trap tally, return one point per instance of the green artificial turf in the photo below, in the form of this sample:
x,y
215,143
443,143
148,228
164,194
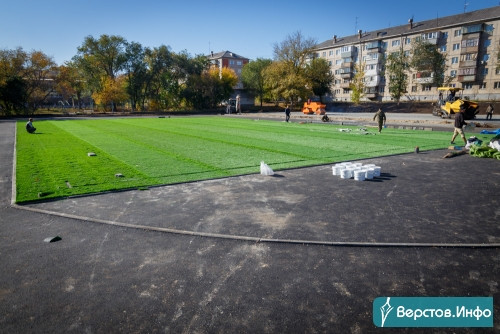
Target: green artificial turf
x,y
152,151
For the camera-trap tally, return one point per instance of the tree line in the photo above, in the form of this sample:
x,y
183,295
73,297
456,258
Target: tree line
x,y
112,71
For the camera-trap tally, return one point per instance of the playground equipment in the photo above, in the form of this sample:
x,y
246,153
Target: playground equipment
x,y
447,106
314,108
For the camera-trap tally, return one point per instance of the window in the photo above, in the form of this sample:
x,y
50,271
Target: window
x,y
468,43
454,60
231,62
346,91
329,63
426,88
487,43
407,53
346,49
430,35
496,85
338,62
396,42
413,89
407,41
489,29
482,85
442,48
337,52
456,46
382,90
485,71
467,86
453,73
324,54
457,32
486,57
497,71
239,63
445,35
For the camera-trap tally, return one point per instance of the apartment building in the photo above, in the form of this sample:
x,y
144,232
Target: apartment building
x,y
231,60
470,41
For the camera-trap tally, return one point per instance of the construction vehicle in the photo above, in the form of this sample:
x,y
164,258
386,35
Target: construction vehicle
x,y
314,108
450,104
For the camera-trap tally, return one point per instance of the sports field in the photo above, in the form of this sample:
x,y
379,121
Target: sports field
x,y
155,151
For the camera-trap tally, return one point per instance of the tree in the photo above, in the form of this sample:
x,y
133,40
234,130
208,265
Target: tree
x,y
136,72
13,87
101,57
281,82
112,92
286,77
397,65
70,83
427,60
357,84
320,76
252,76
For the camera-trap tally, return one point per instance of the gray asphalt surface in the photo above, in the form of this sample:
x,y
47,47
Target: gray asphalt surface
x,y
421,229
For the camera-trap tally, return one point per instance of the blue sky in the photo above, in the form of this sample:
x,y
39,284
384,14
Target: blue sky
x,y
248,28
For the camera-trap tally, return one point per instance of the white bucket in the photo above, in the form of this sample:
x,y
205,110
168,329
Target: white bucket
x,y
359,175
376,171
369,173
345,173
357,164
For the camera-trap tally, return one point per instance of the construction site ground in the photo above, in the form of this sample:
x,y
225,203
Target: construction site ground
x,y
301,251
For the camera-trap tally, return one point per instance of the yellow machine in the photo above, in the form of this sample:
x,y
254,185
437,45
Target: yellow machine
x,y
314,108
449,103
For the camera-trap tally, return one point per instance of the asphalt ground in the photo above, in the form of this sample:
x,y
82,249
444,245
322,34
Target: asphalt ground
x,y
303,251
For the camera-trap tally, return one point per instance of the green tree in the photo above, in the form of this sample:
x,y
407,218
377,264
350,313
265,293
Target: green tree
x,y
136,72
397,65
357,84
427,60
252,76
320,77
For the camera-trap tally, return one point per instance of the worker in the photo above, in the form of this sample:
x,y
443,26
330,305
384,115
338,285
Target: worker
x,y
459,124
287,113
380,116
29,126
489,112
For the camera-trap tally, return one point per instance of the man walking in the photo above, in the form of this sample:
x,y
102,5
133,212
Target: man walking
x,y
380,116
287,113
489,112
459,124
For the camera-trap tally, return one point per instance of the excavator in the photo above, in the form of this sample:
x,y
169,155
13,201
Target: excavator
x,y
449,105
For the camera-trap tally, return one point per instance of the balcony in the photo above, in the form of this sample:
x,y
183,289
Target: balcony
x,y
347,64
466,78
468,63
346,75
372,81
424,78
345,85
347,54
374,45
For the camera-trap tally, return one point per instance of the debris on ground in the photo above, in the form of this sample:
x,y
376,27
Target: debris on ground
x,y
52,239
454,154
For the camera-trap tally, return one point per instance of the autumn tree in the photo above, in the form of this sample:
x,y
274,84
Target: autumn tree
x,y
112,92
70,83
286,77
252,76
357,85
32,72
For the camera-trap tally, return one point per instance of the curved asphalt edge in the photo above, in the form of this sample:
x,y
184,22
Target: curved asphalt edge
x,y
257,239
229,236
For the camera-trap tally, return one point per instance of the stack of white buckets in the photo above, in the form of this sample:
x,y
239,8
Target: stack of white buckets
x,y
356,170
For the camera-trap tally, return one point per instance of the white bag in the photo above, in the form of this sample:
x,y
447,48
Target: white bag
x,y
265,169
